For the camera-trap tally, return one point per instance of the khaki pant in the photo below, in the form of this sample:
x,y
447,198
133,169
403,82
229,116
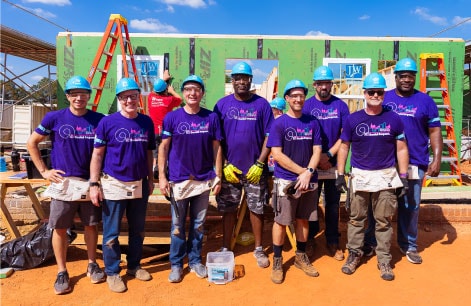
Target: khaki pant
x,y
383,203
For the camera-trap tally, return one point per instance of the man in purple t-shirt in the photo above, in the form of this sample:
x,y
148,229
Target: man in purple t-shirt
x,y
376,137
295,144
71,131
419,113
121,178
331,113
245,120
190,146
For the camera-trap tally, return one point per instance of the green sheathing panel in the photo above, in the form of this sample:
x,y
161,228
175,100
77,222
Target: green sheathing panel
x,y
297,57
210,56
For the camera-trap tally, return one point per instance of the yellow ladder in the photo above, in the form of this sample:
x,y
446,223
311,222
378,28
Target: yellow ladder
x,y
433,73
116,29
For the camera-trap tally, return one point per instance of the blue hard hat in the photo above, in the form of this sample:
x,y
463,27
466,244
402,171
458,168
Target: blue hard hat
x,y
126,84
160,85
323,73
241,68
406,64
278,103
193,78
374,80
77,82
295,84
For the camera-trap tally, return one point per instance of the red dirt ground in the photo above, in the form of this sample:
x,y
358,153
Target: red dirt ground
x,y
443,278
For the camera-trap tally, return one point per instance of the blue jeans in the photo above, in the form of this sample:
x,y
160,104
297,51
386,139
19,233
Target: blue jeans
x,y
113,211
179,245
407,217
331,213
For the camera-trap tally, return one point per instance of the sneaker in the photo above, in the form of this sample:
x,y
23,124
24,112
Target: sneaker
x,y
310,247
335,252
386,271
199,269
353,261
302,262
262,258
176,274
61,285
115,283
412,256
277,272
139,273
95,273
368,250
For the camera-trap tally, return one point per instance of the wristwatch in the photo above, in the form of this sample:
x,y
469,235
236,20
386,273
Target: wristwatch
x,y
94,184
311,170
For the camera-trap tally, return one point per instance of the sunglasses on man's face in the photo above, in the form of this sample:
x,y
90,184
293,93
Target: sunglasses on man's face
x,y
371,93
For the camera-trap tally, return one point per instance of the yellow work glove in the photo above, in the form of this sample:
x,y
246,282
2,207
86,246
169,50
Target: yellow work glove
x,y
255,172
230,173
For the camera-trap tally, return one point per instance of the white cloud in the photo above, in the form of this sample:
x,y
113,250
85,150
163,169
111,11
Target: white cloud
x,y
152,25
364,17
459,19
190,3
50,2
423,13
258,73
43,13
316,33
37,78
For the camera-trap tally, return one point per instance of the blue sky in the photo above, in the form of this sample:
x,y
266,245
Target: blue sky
x,y
401,18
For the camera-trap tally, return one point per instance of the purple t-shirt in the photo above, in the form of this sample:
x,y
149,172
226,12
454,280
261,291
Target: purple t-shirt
x,y
418,113
331,115
373,139
72,140
296,137
191,153
127,142
245,125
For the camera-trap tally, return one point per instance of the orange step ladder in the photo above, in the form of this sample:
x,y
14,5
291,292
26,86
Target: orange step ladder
x,y
116,29
433,73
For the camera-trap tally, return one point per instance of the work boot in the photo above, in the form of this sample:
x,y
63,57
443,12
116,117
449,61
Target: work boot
x,y
353,261
386,271
277,272
302,262
335,251
115,283
310,247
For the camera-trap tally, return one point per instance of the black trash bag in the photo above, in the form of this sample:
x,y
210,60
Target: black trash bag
x,y
28,251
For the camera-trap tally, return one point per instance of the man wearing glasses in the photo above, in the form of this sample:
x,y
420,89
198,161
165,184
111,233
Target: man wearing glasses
x,y
331,113
419,113
121,178
376,138
72,131
295,142
245,120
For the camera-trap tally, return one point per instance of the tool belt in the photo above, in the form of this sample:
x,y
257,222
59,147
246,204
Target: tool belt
x,y
114,189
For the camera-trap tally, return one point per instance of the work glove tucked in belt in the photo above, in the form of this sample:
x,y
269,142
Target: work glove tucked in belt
x,y
340,183
255,172
405,188
230,173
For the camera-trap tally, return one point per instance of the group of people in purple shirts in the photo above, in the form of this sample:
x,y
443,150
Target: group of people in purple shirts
x,y
225,152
